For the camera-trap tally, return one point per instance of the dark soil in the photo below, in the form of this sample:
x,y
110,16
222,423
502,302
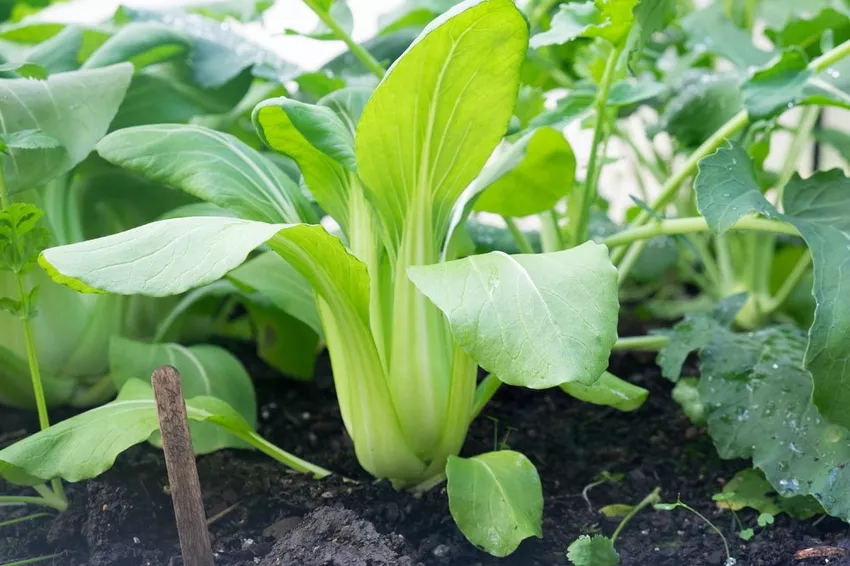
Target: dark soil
x,y
269,516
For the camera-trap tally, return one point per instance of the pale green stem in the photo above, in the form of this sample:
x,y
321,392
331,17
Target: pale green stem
x,y
724,263
53,503
485,391
551,239
798,145
32,359
285,458
696,224
518,235
364,56
800,269
651,499
650,343
32,517
587,191
629,261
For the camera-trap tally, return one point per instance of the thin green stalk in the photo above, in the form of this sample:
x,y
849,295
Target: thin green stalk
x,y
629,261
788,285
691,225
724,263
285,458
651,499
551,239
32,560
485,391
712,272
649,343
518,235
364,56
801,138
540,11
731,127
32,500
32,359
586,194
32,517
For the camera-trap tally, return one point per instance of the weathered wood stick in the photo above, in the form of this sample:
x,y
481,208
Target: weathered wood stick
x,y
182,471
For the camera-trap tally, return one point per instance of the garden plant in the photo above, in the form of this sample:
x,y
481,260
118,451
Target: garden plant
x,y
416,210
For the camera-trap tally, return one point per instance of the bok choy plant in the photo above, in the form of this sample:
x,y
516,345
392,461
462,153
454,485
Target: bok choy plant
x,y
405,322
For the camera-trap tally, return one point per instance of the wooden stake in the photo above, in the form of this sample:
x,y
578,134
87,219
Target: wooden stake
x,y
182,471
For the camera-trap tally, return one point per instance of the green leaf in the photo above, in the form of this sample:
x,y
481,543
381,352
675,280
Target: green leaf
x,y
758,405
27,139
415,13
210,165
283,342
593,551
219,53
87,445
15,382
651,16
805,29
141,44
608,19
710,30
749,488
204,371
62,108
609,390
320,139
700,105
818,207
695,332
727,190
496,499
560,308
632,91
537,171
21,240
616,510
285,288
25,70
466,60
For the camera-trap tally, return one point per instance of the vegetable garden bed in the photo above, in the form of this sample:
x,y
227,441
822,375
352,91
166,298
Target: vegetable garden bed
x,y
275,518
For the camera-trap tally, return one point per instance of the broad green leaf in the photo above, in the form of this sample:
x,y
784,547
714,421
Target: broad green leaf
x,y
819,207
283,342
593,551
570,108
142,44
632,91
219,53
25,70
539,170
701,104
169,257
320,139
27,139
204,371
496,499
749,488
609,390
285,288
466,60
727,190
710,30
87,445
651,16
62,108
31,31
695,332
60,53
533,320
758,405
805,28
15,382
608,19
210,165
413,13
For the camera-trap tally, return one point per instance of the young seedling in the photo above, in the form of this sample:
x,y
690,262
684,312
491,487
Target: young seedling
x,y
730,561
182,470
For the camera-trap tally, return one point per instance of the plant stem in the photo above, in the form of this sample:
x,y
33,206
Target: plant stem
x,y
32,517
550,232
485,391
649,343
32,359
651,499
53,503
518,235
364,56
285,458
587,193
629,261
798,144
32,560
788,285
694,224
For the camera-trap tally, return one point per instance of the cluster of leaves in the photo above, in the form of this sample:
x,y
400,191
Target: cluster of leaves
x,y
339,208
